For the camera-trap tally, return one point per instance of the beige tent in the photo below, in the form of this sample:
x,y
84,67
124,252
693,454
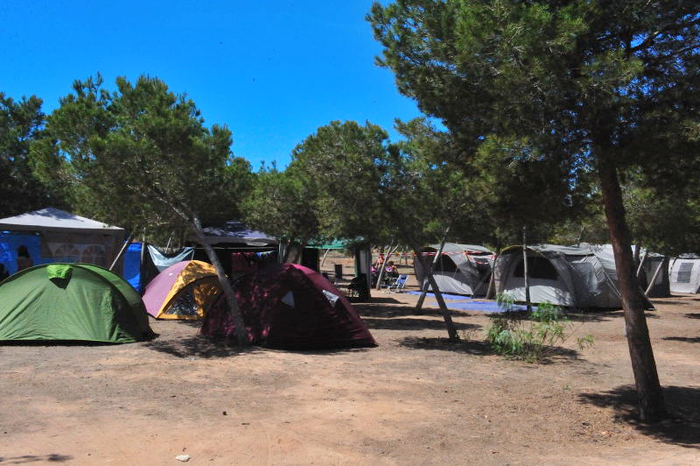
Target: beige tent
x,y
67,237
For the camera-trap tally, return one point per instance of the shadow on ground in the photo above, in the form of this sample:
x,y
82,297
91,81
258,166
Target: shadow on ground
x,y
683,404
693,315
382,300
24,459
479,348
482,348
685,339
412,324
198,346
368,310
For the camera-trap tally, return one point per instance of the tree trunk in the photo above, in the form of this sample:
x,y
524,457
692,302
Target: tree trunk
x,y
380,276
120,253
492,278
641,265
429,271
650,397
656,274
525,272
241,333
323,261
446,315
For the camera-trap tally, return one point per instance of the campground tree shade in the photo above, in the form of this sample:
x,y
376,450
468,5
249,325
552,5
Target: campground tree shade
x,y
140,157
603,86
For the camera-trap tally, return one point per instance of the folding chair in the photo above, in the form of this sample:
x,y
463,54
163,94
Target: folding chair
x,y
399,285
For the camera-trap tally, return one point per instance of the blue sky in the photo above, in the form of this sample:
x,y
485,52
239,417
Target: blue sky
x,y
273,71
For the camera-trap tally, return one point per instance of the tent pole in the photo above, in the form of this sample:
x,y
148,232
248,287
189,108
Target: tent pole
x,y
121,252
525,272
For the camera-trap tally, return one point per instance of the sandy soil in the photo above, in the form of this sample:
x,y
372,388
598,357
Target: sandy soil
x,y
415,399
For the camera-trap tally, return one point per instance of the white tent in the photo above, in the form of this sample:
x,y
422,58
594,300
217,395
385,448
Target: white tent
x,y
566,276
68,237
685,274
462,268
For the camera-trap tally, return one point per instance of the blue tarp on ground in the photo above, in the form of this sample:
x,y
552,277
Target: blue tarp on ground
x,y
10,241
465,303
132,265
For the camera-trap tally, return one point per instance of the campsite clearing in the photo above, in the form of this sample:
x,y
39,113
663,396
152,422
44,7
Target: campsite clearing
x,y
415,399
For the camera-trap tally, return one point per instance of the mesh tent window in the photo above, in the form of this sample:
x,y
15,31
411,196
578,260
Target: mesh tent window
x,y
447,264
537,267
684,272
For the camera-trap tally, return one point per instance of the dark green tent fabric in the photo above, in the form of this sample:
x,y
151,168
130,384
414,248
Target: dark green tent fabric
x,y
88,304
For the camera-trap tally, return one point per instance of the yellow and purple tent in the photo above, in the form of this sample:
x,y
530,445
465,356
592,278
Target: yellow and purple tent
x,y
185,290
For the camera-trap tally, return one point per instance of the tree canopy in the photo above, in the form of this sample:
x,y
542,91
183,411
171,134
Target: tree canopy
x,y
20,123
140,157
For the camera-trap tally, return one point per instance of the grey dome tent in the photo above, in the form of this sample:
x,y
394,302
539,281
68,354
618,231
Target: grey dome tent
x,y
685,274
650,263
569,276
462,268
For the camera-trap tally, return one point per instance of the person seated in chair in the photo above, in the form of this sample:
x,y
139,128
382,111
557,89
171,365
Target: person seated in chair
x,y
391,273
359,285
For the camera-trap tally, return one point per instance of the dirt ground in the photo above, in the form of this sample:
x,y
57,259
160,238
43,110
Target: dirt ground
x,y
415,399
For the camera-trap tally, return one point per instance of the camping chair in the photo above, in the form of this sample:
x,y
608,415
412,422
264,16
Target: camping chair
x,y
399,285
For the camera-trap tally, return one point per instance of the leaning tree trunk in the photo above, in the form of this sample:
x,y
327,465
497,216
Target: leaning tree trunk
x,y
651,406
446,314
234,310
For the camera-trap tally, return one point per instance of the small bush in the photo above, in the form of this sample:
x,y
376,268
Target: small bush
x,y
529,337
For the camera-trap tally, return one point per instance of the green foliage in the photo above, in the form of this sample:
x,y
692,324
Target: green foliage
x,y
20,124
535,95
430,189
341,169
280,205
531,338
139,157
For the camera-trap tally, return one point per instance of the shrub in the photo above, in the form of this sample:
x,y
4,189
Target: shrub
x,y
529,337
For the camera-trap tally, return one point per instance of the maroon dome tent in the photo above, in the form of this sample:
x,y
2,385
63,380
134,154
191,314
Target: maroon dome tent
x,y
292,307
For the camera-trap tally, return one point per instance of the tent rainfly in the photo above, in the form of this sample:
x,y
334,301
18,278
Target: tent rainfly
x,y
71,302
569,276
290,306
462,268
685,274
185,290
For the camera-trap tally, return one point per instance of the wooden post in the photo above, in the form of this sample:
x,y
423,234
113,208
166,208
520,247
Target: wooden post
x,y
525,272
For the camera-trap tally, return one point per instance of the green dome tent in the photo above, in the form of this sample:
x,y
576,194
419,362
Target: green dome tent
x,y
73,302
